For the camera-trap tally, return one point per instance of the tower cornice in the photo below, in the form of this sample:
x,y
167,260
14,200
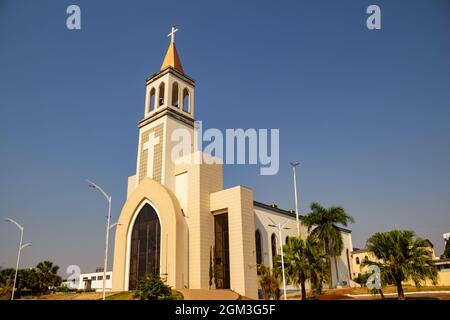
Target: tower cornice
x,y
174,114
172,71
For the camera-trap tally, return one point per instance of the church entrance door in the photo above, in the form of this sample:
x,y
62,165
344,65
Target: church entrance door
x,y
145,246
221,251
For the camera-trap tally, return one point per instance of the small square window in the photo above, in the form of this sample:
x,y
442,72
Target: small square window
x,y
100,278
108,277
93,278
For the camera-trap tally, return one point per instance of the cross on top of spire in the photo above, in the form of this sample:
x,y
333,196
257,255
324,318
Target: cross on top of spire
x,y
172,59
172,34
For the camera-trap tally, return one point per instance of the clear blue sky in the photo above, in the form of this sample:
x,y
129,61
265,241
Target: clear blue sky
x,y
365,112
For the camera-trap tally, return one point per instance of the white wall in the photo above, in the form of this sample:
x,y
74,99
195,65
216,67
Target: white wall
x,y
342,264
96,284
262,224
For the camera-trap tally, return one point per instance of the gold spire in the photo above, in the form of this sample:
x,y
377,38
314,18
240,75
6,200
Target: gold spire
x,y
172,59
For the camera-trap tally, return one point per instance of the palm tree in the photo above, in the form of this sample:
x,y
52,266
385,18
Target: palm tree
x,y
401,257
269,283
303,260
46,273
323,223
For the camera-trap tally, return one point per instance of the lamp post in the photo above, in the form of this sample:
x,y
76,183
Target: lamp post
x,y
108,227
294,165
18,254
280,226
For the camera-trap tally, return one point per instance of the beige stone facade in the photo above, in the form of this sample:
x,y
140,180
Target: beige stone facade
x,y
173,234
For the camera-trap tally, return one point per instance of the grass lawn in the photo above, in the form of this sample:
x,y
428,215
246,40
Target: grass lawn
x,y
129,295
69,296
126,295
334,294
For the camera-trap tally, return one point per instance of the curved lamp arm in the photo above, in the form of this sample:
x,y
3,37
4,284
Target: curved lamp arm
x,y
115,224
26,245
96,186
14,222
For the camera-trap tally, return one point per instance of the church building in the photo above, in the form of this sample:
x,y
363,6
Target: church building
x,y
178,221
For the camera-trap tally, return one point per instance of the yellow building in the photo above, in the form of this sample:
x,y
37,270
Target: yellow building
x,y
358,256
443,266
178,220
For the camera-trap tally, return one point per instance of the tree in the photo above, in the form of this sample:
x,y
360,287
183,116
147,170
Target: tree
x,y
303,260
153,288
446,253
46,273
322,224
269,283
6,275
6,283
401,256
38,279
211,268
28,279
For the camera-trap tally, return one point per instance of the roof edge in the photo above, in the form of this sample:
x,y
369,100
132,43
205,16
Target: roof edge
x,y
287,213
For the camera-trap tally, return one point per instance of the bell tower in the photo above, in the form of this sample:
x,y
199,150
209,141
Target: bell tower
x,y
169,105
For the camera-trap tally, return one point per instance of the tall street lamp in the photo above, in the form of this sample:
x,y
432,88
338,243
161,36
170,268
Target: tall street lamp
x,y
280,226
108,227
294,165
18,254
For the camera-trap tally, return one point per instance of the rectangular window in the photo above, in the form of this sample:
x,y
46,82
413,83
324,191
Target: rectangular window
x,y
108,277
93,277
100,278
85,278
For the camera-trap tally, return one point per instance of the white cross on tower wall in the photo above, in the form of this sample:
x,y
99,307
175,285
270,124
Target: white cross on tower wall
x,y
172,34
150,147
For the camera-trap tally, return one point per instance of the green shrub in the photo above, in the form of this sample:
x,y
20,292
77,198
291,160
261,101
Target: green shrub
x,y
176,295
154,288
361,279
127,295
64,288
